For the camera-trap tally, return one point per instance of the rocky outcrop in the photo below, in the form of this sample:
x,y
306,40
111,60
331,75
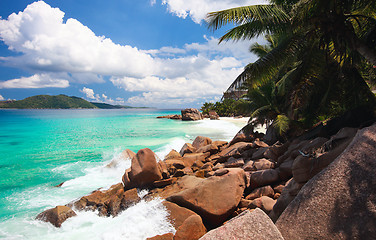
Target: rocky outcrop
x,y
213,115
56,216
191,114
339,202
214,198
248,225
144,170
174,117
109,202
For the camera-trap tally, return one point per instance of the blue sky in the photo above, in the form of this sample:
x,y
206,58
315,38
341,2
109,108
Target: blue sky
x,y
139,53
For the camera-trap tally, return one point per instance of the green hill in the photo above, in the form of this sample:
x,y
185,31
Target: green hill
x,y
108,106
48,102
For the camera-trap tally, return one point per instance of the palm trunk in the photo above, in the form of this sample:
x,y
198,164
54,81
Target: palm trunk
x,y
368,53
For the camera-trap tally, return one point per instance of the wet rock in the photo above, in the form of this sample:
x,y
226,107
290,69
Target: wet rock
x,y
56,216
167,236
144,169
109,202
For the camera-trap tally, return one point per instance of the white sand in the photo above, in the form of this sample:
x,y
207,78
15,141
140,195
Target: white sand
x,y
238,120
243,121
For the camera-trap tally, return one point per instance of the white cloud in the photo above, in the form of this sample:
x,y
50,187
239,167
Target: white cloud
x,y
88,92
197,9
35,81
62,52
50,44
2,98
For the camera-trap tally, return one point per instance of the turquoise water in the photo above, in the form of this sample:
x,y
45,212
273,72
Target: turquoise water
x,y
42,148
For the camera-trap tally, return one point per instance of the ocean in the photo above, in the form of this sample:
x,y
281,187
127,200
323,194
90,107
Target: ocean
x,y
40,149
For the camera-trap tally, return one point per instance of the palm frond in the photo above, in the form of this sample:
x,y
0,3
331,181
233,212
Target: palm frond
x,y
266,14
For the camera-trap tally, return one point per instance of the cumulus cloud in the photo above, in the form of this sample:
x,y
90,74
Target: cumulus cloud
x,y
2,98
50,44
67,51
197,9
35,81
88,92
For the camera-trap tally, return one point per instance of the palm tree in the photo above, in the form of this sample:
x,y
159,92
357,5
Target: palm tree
x,y
311,60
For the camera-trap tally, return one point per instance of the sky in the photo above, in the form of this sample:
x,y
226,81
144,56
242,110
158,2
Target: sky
x,y
154,53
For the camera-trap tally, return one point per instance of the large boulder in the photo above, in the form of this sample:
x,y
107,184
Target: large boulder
x,y
339,202
191,229
201,141
214,198
187,148
56,216
144,170
235,150
248,225
191,114
288,194
264,177
305,167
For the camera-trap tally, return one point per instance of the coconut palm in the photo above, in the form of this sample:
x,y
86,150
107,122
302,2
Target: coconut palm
x,y
307,48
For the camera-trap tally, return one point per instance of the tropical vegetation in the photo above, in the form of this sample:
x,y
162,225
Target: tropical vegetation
x,y
54,102
319,61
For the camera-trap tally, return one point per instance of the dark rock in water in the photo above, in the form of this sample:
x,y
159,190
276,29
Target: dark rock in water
x,y
339,202
248,225
191,114
109,202
56,216
60,184
175,117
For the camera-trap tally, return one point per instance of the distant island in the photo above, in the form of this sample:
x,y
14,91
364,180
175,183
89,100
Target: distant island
x,y
56,102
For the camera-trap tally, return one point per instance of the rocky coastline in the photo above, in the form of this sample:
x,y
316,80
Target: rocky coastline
x,y
315,186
